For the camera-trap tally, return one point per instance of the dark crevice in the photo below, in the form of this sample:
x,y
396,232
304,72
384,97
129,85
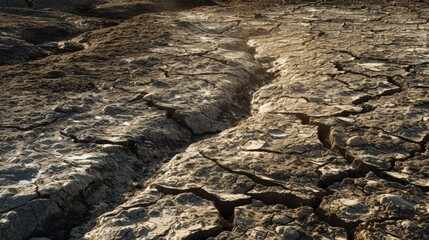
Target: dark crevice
x,y
286,198
225,208
341,81
422,87
343,71
368,98
139,8
396,135
179,119
329,180
205,234
253,177
31,127
370,58
137,205
424,144
137,98
409,68
384,175
351,234
306,119
21,205
222,61
170,113
323,133
77,209
392,80
361,169
339,66
365,168
129,144
264,150
335,221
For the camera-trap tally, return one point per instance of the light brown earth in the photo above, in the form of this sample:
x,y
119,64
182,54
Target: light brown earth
x,y
214,120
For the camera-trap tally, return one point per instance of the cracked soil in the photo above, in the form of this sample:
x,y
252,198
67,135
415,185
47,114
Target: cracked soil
x,y
235,119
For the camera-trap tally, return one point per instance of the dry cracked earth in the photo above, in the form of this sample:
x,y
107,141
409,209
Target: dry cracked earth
x,y
214,120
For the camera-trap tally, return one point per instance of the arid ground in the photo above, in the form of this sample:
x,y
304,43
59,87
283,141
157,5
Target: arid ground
x,y
182,119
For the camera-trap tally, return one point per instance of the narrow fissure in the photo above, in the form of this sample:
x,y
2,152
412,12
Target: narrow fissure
x,y
225,208
323,133
254,178
31,127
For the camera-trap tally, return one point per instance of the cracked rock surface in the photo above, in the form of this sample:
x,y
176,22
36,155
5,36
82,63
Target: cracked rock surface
x,y
214,120
167,218
258,221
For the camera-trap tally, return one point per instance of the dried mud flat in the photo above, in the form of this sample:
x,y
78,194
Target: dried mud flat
x,y
214,120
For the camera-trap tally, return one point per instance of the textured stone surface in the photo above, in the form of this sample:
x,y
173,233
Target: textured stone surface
x,y
214,119
165,217
393,229
372,199
412,171
257,221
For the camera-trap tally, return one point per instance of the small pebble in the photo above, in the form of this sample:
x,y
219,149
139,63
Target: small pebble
x,y
357,141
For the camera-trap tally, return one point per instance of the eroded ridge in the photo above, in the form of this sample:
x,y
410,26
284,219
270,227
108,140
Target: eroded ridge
x,y
83,128
335,147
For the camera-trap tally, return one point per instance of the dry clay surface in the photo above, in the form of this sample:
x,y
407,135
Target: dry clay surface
x,y
233,120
